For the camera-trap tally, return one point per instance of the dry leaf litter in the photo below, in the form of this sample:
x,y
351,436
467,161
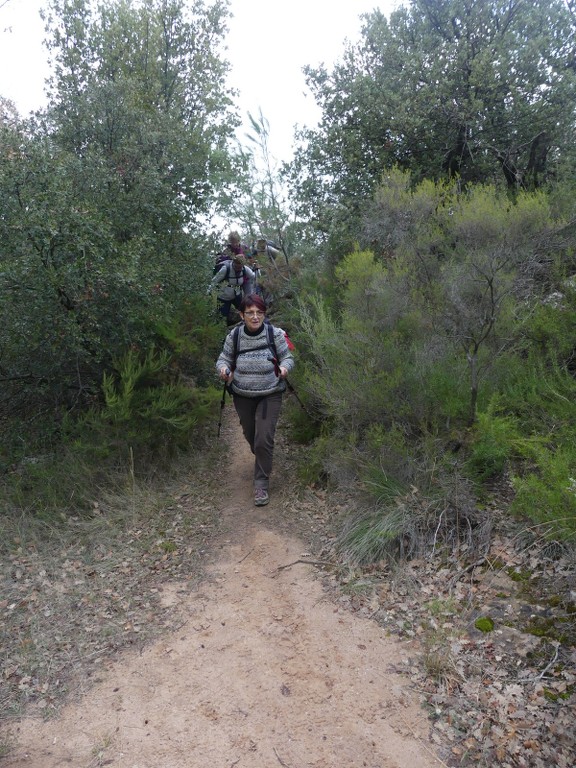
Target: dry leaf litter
x,y
503,697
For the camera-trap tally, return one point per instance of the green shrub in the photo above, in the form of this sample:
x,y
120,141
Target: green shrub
x,y
145,410
387,453
411,508
304,427
492,445
436,390
312,465
529,429
542,396
49,486
145,419
546,492
551,327
192,341
373,536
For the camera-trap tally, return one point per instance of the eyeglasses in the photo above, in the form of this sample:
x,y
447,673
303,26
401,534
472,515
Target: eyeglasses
x,y
254,314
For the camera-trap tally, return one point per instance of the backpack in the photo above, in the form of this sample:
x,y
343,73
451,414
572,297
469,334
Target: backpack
x,y
221,259
272,250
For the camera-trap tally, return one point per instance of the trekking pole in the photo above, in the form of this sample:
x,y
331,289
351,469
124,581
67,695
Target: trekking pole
x,y
291,388
288,384
222,402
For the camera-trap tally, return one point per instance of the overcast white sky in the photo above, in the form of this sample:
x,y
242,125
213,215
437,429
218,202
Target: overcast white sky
x,y
269,43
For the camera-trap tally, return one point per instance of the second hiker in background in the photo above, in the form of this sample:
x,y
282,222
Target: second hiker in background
x,y
257,269
234,281
264,248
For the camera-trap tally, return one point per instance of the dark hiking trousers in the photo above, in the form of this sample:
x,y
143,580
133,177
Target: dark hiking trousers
x,y
258,418
225,305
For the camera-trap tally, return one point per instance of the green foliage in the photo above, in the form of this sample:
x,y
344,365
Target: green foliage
x,y
443,90
551,326
410,499
374,536
446,400
529,430
386,471
541,393
145,420
379,360
194,337
312,467
423,508
144,411
304,428
403,217
492,445
47,487
100,237
546,490
443,330
336,356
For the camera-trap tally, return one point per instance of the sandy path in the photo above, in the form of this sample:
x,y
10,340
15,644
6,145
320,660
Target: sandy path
x,y
266,672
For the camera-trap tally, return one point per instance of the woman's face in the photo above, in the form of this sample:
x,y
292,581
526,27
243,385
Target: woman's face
x,y
253,317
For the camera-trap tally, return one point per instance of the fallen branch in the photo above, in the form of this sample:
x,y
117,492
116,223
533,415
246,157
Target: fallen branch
x,y
245,556
546,668
471,567
280,759
319,563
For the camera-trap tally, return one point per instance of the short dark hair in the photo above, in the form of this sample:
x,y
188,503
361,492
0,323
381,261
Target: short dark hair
x,y
253,300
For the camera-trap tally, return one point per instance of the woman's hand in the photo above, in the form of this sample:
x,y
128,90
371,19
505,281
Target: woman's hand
x,y
226,375
283,372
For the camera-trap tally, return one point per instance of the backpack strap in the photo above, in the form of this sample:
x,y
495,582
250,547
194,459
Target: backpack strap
x,y
271,342
228,268
272,345
235,344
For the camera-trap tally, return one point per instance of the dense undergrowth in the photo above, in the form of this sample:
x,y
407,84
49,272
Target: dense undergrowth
x,y
439,362
429,366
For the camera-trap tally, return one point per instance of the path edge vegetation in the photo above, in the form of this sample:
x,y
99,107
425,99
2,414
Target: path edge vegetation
x,y
431,294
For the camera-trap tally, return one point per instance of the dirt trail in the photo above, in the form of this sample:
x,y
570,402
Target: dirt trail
x,y
266,671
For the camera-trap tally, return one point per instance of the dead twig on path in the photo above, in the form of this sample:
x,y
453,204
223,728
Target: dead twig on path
x,y
318,563
280,759
245,556
552,661
457,576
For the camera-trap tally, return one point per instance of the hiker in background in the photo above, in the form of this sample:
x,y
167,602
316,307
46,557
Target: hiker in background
x,y
255,362
265,249
235,280
234,246
255,267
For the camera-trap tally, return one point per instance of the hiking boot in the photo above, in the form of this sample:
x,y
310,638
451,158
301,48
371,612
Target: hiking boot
x,y
261,497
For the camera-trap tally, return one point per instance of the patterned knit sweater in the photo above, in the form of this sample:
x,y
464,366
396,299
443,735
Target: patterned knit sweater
x,y
254,374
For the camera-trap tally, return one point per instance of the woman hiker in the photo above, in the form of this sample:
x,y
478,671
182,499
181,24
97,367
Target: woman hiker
x,y
254,362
